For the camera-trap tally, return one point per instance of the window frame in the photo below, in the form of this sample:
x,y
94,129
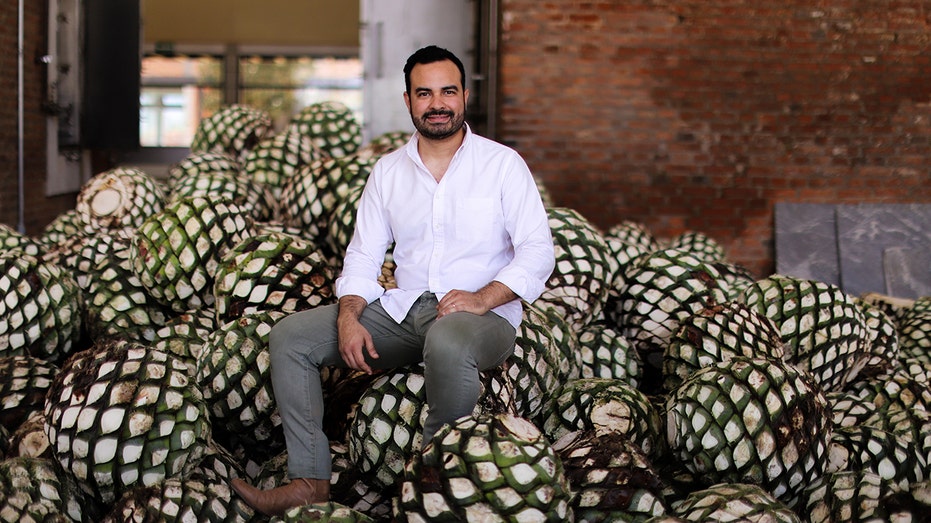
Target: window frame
x,y
156,160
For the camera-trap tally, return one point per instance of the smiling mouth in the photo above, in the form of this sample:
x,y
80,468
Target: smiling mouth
x,y
437,117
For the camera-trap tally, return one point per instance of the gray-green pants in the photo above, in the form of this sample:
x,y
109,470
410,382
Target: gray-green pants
x,y
454,349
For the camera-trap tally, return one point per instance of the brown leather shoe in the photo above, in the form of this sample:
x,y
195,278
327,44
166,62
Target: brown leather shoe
x,y
274,502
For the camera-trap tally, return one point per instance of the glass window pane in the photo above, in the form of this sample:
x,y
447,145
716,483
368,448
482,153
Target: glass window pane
x,y
175,132
183,70
281,72
148,126
207,99
173,99
283,86
280,104
148,98
177,92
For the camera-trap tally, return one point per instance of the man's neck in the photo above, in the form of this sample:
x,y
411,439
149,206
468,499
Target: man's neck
x,y
437,154
442,148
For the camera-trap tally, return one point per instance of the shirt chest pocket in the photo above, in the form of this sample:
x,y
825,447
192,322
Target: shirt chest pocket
x,y
476,218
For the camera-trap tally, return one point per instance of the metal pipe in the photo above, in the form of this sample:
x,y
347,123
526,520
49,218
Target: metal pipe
x,y
21,225
491,70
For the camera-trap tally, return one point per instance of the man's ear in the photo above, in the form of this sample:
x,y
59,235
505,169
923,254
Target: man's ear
x,y
407,100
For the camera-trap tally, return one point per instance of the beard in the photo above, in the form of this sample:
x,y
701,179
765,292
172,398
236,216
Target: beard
x,y
438,132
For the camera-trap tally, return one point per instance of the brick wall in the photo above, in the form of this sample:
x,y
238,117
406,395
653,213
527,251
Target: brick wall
x,y
702,114
38,210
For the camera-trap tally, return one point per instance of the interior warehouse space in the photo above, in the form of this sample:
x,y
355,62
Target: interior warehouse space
x,y
465,260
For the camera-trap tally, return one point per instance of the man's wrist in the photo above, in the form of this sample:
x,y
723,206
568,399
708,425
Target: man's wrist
x,y
351,307
495,294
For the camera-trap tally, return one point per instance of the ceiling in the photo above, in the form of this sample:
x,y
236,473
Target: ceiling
x,y
316,23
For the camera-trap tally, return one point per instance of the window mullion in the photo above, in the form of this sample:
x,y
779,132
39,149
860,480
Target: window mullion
x,y
231,87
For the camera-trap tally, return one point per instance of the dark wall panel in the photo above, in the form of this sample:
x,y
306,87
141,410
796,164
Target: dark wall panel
x,y
111,74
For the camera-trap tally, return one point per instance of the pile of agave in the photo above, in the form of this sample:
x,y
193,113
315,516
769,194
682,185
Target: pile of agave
x,y
654,380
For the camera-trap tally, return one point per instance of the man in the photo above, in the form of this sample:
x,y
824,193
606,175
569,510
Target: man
x,y
471,239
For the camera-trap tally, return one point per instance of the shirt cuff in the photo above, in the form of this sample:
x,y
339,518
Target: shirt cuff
x,y
368,289
522,283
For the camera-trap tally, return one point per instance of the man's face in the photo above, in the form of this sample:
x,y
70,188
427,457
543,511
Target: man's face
x,y
437,100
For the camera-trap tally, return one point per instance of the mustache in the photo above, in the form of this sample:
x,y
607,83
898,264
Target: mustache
x,y
428,114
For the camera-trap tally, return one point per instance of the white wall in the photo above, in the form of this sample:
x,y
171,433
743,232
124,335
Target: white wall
x,y
393,29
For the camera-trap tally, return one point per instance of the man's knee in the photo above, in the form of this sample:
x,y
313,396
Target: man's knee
x,y
286,330
450,343
299,331
479,341
282,331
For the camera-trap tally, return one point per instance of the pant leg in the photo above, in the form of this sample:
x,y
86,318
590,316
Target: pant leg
x,y
299,345
456,348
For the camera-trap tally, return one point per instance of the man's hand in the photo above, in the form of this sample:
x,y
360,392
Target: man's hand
x,y
478,302
353,337
460,301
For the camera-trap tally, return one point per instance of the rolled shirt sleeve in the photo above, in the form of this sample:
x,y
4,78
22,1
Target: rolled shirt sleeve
x,y
368,289
534,259
365,254
534,254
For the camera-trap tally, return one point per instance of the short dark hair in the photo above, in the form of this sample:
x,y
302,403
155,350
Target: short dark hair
x,y
429,55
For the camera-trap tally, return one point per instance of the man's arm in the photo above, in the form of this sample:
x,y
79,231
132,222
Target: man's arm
x,y
353,337
478,302
527,224
365,253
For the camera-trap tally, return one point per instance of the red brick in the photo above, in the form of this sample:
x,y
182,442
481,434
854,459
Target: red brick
x,y
699,95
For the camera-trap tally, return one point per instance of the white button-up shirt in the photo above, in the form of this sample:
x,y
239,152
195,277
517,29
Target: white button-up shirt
x,y
483,221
